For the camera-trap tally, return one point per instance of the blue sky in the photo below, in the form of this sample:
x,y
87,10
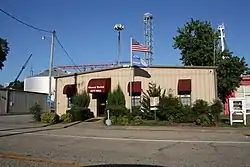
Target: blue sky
x,y
85,28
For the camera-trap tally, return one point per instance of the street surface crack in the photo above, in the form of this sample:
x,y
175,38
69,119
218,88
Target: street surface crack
x,y
168,146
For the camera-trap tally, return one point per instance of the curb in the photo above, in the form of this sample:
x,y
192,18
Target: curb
x,y
180,130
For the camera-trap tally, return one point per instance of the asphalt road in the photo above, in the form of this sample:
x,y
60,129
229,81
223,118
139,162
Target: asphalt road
x,y
80,146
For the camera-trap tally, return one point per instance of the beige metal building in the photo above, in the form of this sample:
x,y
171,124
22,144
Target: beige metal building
x,y
189,83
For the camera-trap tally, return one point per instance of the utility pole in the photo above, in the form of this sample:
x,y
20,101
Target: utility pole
x,y
51,61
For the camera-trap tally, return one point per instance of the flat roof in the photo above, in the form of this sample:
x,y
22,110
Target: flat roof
x,y
14,90
119,67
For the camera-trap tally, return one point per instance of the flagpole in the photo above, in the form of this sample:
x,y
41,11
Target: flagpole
x,y
132,74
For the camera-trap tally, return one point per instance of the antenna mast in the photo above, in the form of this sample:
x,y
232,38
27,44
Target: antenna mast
x,y
148,36
221,29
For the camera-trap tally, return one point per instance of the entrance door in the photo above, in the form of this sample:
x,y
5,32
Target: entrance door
x,y
101,104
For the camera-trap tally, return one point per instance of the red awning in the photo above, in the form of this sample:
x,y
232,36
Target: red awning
x,y
184,85
100,85
70,90
136,87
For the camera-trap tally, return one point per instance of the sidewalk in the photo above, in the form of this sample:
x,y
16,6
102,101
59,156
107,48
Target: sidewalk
x,y
184,129
100,125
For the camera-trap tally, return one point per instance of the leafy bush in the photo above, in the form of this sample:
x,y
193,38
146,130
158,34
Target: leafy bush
x,y
203,120
36,111
188,114
117,110
126,119
204,114
122,120
171,109
137,112
67,118
116,104
216,109
113,120
200,107
80,113
137,120
51,118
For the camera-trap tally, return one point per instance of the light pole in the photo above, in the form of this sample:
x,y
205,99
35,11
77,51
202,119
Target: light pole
x,y
52,48
119,28
214,58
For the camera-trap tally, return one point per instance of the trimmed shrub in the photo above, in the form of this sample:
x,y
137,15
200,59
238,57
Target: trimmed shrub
x,y
36,111
51,118
116,98
80,113
116,105
67,118
79,109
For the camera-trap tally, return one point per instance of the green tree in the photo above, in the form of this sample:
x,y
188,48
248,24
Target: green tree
x,y
17,85
116,97
153,91
81,100
4,50
198,41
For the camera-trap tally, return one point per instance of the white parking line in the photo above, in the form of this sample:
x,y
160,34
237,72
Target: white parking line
x,y
130,139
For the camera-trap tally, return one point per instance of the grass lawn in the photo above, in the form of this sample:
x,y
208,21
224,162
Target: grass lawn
x,y
223,123
226,122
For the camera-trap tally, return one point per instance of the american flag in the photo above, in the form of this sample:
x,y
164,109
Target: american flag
x,y
137,47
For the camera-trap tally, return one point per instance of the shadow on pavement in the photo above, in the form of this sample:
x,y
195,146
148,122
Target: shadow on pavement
x,y
124,165
38,130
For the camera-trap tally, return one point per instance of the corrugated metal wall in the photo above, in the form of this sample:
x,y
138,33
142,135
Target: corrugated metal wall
x,y
20,102
2,101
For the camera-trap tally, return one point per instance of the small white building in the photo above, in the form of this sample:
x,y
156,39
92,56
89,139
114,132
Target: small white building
x,y
40,83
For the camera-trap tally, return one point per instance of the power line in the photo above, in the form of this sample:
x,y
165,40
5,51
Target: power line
x,y
67,53
26,24
39,29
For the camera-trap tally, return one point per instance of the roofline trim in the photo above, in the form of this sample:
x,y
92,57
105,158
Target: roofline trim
x,y
114,68
14,90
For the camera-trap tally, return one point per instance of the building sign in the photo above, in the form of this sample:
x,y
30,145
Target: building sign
x,y
100,85
154,103
96,89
